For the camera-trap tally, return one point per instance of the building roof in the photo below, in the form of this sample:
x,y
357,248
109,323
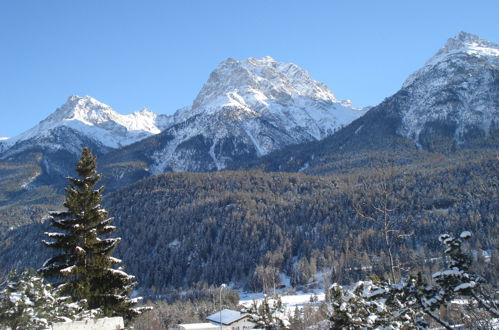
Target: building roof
x,y
199,326
228,316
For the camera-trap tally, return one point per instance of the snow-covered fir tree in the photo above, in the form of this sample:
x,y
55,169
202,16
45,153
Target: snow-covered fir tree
x,y
381,305
267,314
27,302
457,280
84,268
374,304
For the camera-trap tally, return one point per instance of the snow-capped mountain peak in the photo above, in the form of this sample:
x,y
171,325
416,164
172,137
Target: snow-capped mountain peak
x,y
469,43
256,81
85,109
463,44
249,108
95,121
455,89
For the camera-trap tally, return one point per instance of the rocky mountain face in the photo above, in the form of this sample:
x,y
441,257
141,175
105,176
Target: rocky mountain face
x,y
53,146
245,110
455,95
85,121
450,104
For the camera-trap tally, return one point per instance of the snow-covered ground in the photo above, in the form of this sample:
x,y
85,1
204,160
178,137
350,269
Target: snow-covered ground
x,y
290,301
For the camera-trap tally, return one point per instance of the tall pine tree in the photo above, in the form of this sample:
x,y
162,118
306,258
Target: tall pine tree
x,y
84,267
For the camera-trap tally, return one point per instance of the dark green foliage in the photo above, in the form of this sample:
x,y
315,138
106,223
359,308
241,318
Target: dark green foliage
x,y
83,268
438,136
25,302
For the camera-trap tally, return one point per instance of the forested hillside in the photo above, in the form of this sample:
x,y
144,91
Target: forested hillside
x,y
182,228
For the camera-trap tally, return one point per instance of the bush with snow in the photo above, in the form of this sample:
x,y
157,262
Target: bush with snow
x,y
381,305
27,302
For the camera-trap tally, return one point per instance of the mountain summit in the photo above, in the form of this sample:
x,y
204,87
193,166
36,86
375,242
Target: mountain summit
x,y
257,81
247,109
451,103
87,121
467,43
455,93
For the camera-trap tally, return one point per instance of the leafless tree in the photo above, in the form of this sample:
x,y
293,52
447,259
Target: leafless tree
x,y
376,199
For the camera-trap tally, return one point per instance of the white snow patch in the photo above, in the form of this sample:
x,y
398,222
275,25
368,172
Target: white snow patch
x,y
25,185
173,244
465,234
68,270
290,302
114,260
97,121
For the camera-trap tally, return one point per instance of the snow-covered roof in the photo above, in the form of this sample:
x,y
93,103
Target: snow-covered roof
x,y
193,326
226,316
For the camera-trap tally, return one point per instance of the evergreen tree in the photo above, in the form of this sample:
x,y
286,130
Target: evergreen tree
x,y
269,314
296,320
84,267
378,304
27,302
457,280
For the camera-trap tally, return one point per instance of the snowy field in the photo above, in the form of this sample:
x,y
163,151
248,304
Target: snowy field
x,y
300,299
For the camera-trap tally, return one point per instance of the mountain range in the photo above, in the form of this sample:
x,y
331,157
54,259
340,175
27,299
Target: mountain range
x,y
450,104
260,114
245,109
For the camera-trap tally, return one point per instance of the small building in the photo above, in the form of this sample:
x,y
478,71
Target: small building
x,y
196,326
225,319
104,323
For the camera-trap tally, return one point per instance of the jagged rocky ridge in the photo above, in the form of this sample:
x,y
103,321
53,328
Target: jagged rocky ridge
x,y
450,104
456,93
82,121
245,110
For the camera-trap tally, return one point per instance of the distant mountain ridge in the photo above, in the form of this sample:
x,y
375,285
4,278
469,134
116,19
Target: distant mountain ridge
x,y
245,110
450,103
458,88
88,119
260,113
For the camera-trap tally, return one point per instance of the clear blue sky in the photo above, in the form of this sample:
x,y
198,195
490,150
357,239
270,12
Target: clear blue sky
x,y
158,54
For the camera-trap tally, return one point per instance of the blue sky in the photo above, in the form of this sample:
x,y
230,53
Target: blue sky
x,y
158,54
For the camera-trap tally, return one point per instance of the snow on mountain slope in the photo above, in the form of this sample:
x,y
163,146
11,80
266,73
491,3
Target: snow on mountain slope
x,y
458,88
250,107
265,86
91,119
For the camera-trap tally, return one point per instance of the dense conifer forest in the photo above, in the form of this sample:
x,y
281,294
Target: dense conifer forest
x,y
179,229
